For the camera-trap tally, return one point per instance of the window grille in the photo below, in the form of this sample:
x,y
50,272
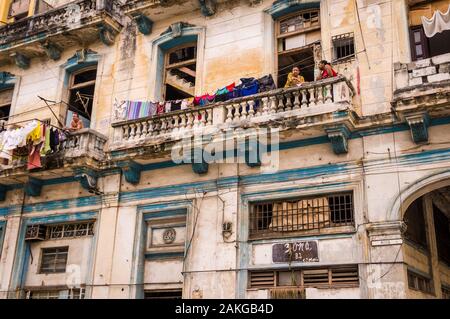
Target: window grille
x,y
303,214
344,46
54,260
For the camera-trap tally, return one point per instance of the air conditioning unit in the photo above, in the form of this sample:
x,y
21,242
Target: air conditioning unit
x,y
36,232
19,8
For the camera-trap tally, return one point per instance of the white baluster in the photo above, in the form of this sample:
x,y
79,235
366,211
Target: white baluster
x,y
125,131
210,116
280,103
237,112
230,113
312,98
138,130
151,127
320,95
273,104
203,119
243,110
183,121
189,122
144,129
288,102
133,131
296,100
304,98
196,120
265,108
328,95
251,111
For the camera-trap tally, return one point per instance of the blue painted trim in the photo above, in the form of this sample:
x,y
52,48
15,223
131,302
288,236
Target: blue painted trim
x,y
7,80
161,256
62,204
75,64
62,218
20,266
285,192
170,206
167,213
283,7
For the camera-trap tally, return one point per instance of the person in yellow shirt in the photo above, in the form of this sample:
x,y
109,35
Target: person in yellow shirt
x,y
294,78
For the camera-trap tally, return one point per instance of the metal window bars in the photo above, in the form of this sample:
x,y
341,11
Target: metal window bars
x,y
343,46
302,214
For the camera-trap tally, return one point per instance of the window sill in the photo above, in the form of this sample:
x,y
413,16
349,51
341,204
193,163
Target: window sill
x,y
308,233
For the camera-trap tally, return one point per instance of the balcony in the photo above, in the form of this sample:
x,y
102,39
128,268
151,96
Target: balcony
x,y
422,91
315,104
81,150
77,23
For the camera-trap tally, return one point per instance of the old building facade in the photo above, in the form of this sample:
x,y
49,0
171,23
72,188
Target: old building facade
x,y
338,188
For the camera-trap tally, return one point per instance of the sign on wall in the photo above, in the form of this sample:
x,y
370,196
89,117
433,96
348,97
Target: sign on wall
x,y
303,251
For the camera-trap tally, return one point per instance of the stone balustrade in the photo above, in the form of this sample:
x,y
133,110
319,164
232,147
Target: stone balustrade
x,y
310,99
85,142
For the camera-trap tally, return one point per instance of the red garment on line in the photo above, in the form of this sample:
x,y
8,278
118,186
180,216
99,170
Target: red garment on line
x,y
34,157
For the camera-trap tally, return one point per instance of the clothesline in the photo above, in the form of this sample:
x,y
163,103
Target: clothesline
x,y
34,140
131,110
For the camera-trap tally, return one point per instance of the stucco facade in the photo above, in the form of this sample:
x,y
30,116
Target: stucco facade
x,y
373,132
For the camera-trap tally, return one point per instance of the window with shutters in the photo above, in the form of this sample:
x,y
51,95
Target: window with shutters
x,y
419,282
291,217
419,43
54,260
319,277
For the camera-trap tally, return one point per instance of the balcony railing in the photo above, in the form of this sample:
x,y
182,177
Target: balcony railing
x,y
47,33
85,142
303,102
57,18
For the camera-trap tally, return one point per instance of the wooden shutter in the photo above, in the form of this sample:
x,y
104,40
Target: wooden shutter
x,y
419,43
262,279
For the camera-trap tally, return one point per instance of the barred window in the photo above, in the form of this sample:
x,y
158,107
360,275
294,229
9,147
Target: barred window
x,y
163,294
344,46
418,282
323,277
54,260
70,230
56,294
272,218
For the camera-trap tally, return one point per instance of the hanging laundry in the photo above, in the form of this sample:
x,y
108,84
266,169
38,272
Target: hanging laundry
x,y
176,105
160,108
168,107
34,157
153,106
184,104
46,146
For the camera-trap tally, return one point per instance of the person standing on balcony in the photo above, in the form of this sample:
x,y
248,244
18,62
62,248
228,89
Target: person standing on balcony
x,y
326,71
294,78
76,123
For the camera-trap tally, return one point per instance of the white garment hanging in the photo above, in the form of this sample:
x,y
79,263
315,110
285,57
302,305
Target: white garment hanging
x,y
439,22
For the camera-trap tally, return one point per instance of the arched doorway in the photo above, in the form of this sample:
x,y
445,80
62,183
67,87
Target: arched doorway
x,y
427,243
